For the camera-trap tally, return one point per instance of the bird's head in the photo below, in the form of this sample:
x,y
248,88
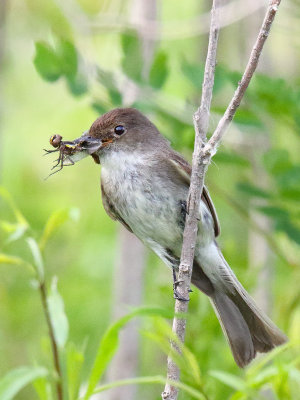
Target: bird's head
x,y
122,129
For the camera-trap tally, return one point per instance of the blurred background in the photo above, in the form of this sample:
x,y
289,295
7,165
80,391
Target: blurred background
x,y
62,64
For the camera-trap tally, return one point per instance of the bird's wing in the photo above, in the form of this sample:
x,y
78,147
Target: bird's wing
x,y
185,170
111,211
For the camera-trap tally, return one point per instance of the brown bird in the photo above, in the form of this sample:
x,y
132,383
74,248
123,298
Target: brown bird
x,y
144,185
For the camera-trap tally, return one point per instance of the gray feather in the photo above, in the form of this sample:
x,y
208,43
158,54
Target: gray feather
x,y
235,329
247,329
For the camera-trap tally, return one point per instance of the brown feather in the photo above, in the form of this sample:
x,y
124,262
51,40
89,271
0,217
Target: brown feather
x,y
111,211
185,170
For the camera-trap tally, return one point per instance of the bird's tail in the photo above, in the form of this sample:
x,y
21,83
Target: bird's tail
x,y
247,329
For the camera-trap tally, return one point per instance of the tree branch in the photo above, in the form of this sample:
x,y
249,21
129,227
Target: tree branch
x,y
201,119
203,153
244,82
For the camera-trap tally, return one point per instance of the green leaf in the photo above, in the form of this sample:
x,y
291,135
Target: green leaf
x,y
75,360
294,378
260,363
164,344
277,161
252,190
274,95
99,107
289,182
7,226
56,219
8,259
132,61
58,317
195,394
247,117
264,376
115,97
186,361
230,380
221,78
106,78
176,129
231,158
289,228
274,212
67,54
46,62
15,380
37,258
8,198
159,70
234,77
110,341
43,388
18,233
78,85
194,73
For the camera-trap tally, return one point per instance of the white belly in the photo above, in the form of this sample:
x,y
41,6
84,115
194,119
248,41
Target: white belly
x,y
151,211
150,206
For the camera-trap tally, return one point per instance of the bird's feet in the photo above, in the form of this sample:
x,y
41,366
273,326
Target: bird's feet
x,y
177,295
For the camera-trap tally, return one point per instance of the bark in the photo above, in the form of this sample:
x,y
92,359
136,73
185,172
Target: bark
x,y
203,153
199,165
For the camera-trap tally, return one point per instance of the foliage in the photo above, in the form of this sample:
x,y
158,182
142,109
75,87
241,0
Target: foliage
x,y
257,171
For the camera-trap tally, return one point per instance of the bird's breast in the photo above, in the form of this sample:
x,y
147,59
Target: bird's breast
x,y
147,204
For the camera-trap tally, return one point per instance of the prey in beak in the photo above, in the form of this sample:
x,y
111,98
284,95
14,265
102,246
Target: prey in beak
x,y
69,152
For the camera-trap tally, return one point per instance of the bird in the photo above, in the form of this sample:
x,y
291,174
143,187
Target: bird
x,y
144,185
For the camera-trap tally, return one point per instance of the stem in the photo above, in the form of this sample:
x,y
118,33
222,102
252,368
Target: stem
x,y
201,119
201,159
43,293
246,78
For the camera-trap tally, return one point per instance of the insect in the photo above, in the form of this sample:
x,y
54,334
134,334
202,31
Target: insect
x,y
71,152
55,140
65,149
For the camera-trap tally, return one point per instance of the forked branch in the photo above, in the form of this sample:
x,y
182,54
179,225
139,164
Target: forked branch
x,y
203,152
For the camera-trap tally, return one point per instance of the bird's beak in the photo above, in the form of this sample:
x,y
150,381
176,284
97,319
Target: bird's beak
x,y
87,143
82,147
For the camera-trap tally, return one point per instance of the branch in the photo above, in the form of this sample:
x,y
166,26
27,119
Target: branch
x,y
201,158
201,119
244,83
54,347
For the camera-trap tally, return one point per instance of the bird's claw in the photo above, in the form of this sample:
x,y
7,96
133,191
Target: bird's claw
x,y
177,296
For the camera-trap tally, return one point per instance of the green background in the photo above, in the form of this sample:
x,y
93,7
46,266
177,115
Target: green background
x,y
256,170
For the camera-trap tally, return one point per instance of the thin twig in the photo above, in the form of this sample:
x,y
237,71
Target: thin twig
x,y
201,118
201,158
244,82
59,388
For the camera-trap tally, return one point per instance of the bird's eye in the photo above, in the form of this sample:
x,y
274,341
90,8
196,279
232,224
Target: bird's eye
x,y
119,130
